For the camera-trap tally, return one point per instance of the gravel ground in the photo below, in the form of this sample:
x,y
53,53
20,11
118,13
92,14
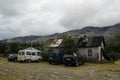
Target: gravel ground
x,y
44,71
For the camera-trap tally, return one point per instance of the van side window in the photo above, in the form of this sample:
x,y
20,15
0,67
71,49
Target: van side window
x,y
33,53
23,53
19,53
28,53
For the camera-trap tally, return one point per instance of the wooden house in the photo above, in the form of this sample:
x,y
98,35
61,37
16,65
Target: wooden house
x,y
92,48
55,43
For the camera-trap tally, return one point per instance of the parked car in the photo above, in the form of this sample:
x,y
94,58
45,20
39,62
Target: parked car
x,y
12,57
28,56
73,59
56,57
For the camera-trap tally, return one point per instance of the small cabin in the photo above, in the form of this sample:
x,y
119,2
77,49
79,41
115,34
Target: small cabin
x,y
55,43
92,48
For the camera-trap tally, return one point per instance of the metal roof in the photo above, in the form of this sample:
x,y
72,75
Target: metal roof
x,y
31,49
91,41
56,42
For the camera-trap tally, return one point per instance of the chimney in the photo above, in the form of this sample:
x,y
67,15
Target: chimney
x,y
85,39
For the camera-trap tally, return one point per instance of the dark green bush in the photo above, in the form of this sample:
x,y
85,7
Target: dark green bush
x,y
44,56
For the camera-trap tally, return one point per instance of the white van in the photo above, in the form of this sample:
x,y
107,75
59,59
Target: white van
x,y
29,54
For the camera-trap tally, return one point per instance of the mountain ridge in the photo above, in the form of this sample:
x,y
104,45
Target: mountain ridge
x,y
108,31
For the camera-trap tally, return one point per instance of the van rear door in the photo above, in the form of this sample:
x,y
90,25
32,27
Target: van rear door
x,y
21,56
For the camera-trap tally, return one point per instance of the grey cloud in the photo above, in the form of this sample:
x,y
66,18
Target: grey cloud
x,y
9,7
91,13
43,17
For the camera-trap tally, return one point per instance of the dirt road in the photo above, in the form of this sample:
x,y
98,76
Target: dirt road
x,y
44,71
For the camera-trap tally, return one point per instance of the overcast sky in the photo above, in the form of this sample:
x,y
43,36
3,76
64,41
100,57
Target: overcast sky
x,y
44,17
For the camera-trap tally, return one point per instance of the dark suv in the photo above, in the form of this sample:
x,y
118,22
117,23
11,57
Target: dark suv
x,y
55,57
73,59
12,57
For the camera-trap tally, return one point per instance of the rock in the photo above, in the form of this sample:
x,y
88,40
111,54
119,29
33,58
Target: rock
x,y
92,71
5,62
55,72
57,77
4,74
109,75
52,75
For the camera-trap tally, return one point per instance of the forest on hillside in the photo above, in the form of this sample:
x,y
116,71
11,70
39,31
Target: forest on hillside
x,y
112,47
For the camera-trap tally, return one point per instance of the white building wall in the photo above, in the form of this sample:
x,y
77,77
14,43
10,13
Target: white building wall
x,y
95,53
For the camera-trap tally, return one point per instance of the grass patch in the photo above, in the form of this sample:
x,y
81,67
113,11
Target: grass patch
x,y
117,62
3,59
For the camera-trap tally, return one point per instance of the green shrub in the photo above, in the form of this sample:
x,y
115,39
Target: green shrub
x,y
44,56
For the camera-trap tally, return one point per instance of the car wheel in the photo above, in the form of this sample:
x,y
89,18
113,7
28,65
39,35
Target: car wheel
x,y
58,63
39,60
66,64
9,60
77,63
82,62
50,63
28,60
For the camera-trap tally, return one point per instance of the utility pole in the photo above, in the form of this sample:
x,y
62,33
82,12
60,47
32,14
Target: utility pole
x,y
31,44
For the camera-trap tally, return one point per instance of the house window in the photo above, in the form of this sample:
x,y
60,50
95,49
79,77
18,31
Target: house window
x,y
89,52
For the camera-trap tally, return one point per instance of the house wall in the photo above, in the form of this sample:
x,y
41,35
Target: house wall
x,y
95,53
102,47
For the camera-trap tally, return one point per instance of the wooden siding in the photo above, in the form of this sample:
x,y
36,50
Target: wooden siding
x,y
96,53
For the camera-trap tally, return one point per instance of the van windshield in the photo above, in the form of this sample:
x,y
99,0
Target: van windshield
x,y
21,53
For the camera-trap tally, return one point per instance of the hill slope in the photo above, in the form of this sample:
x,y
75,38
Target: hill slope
x,y
90,31
114,30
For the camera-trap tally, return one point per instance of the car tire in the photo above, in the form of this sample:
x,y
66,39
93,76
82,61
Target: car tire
x,y
66,64
58,63
50,63
28,60
39,60
82,62
77,63
9,60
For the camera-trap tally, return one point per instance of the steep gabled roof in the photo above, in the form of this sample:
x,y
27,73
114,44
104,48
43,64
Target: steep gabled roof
x,y
56,42
91,41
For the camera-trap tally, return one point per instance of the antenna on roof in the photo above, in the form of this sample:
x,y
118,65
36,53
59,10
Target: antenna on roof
x,y
82,36
31,44
85,39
